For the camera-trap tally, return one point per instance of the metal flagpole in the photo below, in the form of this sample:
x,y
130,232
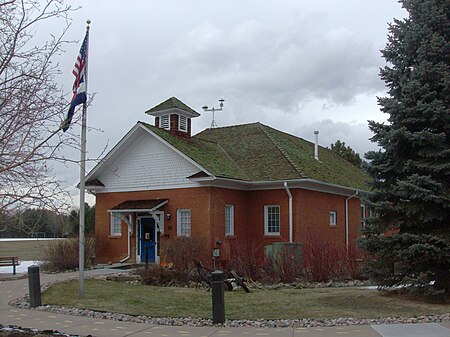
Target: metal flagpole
x,y
82,174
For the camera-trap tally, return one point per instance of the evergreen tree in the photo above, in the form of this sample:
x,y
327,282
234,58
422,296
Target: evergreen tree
x,y
347,153
89,220
409,238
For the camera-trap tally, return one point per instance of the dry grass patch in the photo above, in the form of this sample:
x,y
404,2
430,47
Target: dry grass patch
x,y
27,250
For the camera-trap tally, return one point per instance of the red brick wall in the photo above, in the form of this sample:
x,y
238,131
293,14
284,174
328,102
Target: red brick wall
x,y
174,126
111,249
310,217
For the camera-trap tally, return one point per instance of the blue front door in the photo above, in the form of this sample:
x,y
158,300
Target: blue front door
x,y
148,240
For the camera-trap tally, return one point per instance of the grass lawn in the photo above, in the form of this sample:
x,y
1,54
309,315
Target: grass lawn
x,y
266,304
29,250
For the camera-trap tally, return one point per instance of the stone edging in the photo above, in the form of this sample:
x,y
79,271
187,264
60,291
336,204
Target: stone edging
x,y
23,303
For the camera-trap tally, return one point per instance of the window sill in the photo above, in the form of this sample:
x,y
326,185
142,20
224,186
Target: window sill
x,y
230,237
272,235
333,226
115,236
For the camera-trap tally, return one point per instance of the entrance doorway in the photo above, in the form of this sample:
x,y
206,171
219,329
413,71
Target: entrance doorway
x,y
148,240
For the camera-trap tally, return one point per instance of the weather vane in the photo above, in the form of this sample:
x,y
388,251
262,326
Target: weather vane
x,y
213,110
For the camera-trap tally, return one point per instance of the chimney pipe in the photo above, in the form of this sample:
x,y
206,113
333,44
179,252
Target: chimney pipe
x,y
316,145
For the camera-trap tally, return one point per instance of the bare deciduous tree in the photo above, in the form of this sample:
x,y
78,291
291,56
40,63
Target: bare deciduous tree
x,y
32,106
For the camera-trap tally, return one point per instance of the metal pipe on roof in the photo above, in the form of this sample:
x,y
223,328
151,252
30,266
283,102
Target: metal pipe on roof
x,y
316,145
291,234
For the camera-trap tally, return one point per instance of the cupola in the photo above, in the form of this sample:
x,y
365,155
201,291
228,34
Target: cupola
x,y
174,116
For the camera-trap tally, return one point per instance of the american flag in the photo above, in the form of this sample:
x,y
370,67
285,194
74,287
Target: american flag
x,y
79,85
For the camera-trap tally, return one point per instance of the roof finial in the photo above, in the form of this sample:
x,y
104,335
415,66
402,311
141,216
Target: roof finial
x,y
205,108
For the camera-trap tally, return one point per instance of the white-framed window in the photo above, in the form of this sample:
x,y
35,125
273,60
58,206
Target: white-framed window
x,y
272,220
115,226
164,122
229,220
333,218
182,123
184,222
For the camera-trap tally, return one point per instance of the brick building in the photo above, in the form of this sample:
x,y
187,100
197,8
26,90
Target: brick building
x,y
231,186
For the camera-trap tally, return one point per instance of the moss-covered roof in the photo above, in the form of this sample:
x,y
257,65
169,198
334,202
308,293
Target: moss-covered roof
x,y
257,152
172,103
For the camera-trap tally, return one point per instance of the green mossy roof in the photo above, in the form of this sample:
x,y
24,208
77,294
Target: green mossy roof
x,y
172,103
256,152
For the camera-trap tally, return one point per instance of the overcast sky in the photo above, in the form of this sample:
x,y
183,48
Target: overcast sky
x,y
297,66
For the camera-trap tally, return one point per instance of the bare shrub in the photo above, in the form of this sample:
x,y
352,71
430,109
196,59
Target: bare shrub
x,y
283,266
161,276
353,261
246,261
322,260
182,252
63,255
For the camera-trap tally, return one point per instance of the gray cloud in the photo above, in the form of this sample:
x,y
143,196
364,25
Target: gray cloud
x,y
296,66
279,66
356,135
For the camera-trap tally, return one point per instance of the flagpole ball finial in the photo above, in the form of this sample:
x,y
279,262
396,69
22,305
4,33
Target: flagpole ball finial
x,y
88,21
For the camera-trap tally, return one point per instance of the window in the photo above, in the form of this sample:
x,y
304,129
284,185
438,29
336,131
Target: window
x,y
272,220
333,219
184,222
182,123
229,220
115,226
164,122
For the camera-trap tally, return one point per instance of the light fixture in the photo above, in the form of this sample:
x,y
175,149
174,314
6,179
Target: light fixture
x,y
168,216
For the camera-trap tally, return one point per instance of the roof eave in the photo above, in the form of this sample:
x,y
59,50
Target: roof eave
x,y
175,110
138,210
295,183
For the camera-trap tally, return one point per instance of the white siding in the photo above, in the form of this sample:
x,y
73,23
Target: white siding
x,y
146,164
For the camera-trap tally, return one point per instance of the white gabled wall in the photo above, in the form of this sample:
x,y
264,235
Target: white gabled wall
x,y
146,164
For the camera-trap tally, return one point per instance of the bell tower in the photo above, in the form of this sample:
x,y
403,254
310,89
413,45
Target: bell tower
x,y
174,116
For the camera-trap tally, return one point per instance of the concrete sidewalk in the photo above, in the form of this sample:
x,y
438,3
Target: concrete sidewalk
x,y
12,289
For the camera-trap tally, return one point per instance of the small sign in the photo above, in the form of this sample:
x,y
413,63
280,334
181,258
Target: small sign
x,y
216,252
147,236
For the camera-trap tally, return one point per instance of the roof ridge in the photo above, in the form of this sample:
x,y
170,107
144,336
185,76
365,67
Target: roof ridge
x,y
234,162
226,127
199,141
282,150
171,103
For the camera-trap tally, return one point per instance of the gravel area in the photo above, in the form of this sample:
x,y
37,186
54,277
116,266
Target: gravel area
x,y
23,302
18,331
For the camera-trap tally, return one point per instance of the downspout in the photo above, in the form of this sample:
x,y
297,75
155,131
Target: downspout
x,y
346,218
290,211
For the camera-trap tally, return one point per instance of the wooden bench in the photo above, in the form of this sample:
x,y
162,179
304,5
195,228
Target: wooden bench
x,y
9,261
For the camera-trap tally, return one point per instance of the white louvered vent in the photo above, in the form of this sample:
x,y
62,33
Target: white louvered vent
x,y
182,123
164,122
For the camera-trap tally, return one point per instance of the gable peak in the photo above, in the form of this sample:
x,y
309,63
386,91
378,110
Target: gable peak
x,y
171,105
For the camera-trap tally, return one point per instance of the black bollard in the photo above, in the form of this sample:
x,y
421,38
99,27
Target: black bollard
x,y
218,300
34,285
